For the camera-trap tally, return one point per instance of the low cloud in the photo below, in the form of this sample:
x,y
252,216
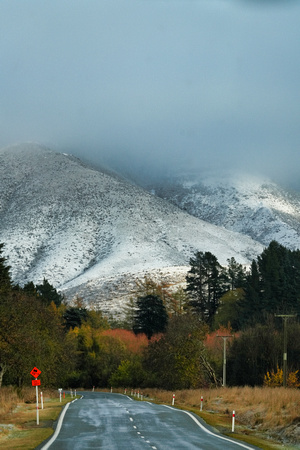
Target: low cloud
x,y
155,85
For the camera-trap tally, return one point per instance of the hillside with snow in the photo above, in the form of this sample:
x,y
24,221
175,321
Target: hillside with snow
x,y
254,206
87,230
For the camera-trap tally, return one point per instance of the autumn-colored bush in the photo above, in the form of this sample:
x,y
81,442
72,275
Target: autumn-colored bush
x,y
273,379
133,343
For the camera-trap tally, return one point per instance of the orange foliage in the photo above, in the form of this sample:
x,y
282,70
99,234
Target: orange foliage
x,y
213,340
134,343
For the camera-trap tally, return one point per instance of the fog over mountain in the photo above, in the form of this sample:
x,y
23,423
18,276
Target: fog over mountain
x,y
156,86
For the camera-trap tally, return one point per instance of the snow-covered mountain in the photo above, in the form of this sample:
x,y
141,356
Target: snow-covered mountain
x,y
86,229
254,206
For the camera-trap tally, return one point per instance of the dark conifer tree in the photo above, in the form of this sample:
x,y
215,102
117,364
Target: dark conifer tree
x,y
251,306
5,279
236,274
206,283
74,317
273,285
30,289
48,293
151,316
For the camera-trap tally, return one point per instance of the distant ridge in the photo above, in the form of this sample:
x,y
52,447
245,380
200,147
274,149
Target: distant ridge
x,y
254,206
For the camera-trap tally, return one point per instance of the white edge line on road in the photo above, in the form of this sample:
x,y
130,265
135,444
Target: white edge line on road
x,y
57,429
208,431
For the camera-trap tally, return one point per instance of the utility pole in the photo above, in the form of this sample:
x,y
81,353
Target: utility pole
x,y
224,357
285,317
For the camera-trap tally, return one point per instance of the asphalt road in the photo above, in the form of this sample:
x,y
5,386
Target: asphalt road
x,y
114,421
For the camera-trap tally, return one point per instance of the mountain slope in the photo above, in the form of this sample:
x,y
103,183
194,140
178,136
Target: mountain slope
x,y
72,224
254,206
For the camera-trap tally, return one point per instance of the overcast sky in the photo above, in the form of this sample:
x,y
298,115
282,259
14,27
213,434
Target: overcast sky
x,y
156,83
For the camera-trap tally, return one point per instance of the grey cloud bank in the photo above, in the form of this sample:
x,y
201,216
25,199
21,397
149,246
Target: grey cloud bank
x,y
155,84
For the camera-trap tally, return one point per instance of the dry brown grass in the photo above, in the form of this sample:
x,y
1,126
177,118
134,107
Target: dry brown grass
x,y
11,397
275,411
18,428
8,400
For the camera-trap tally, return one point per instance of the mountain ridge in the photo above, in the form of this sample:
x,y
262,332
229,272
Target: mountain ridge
x,y
72,224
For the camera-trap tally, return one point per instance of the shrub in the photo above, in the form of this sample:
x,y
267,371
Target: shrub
x,y
274,379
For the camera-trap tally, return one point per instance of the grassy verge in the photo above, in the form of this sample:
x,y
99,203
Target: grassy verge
x,y
268,418
18,426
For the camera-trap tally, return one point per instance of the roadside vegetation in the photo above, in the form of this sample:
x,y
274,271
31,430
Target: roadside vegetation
x,y
18,427
264,416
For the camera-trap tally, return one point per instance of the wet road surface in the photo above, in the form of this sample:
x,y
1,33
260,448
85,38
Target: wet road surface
x,y
114,421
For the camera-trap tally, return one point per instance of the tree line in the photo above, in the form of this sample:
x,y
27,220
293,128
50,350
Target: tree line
x,y
168,338
243,296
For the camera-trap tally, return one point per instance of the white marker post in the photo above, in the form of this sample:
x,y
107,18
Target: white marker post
x,y
37,404
233,420
173,400
42,401
60,391
201,404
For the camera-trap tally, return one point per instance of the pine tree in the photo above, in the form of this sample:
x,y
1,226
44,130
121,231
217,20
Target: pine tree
x,y
273,285
236,274
151,316
48,293
74,317
251,304
5,279
205,285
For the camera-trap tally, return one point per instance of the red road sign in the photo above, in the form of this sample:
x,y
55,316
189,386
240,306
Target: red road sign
x,y
35,372
36,382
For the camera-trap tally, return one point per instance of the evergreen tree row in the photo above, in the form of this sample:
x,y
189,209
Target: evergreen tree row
x,y
271,286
